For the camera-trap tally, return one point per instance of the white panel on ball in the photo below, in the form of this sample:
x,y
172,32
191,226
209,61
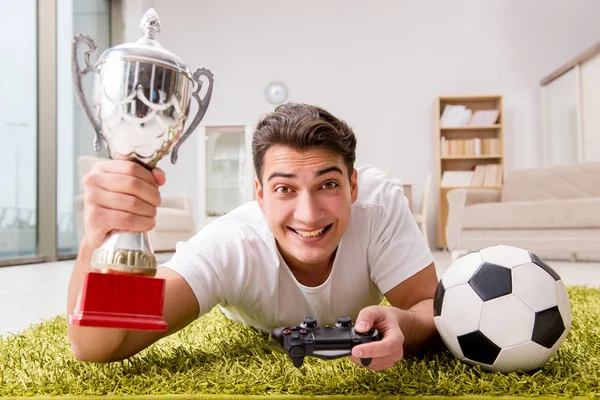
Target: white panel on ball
x,y
448,337
564,306
461,309
507,321
505,256
526,356
461,270
534,286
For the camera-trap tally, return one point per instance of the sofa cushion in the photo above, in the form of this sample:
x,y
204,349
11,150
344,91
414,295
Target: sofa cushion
x,y
174,219
548,214
573,181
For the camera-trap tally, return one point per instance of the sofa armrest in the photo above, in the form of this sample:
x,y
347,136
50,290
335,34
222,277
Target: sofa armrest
x,y
179,201
458,199
78,207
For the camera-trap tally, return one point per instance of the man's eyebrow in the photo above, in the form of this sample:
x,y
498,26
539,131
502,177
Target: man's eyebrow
x,y
281,175
327,170
318,173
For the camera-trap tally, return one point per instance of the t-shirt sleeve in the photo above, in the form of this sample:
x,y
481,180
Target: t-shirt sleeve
x,y
397,249
213,264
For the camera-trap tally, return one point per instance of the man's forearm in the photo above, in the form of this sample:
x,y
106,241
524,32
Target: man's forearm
x,y
418,327
87,343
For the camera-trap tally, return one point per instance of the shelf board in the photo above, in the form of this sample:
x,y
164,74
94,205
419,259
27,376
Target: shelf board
x,y
470,128
471,97
470,187
481,157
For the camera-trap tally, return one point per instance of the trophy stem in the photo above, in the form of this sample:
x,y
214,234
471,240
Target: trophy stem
x,y
125,253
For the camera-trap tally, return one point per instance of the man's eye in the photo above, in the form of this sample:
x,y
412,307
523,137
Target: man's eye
x,y
330,185
282,190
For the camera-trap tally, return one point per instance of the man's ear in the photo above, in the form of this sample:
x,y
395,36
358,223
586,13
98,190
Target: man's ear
x,y
259,195
354,186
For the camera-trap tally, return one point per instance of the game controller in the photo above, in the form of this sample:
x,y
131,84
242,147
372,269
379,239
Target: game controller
x,y
329,342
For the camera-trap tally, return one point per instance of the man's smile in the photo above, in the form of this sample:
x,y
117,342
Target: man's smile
x,y
311,234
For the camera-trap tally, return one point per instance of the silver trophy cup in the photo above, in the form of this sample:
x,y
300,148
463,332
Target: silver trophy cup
x,y
142,94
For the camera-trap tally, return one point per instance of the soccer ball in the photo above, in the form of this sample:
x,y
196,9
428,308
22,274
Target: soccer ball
x,y
502,308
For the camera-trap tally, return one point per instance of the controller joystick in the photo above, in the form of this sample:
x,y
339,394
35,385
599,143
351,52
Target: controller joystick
x,y
309,322
312,340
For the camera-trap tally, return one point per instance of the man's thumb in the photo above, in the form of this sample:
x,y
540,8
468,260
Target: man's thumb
x,y
159,176
365,320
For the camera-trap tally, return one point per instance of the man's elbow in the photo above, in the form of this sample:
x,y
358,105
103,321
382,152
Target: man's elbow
x,y
89,350
83,354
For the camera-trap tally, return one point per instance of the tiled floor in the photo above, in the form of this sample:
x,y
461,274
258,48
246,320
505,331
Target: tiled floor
x,y
34,292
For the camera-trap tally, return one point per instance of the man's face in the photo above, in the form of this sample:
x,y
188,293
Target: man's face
x,y
306,197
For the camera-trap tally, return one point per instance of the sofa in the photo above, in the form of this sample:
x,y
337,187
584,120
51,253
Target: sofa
x,y
552,211
174,217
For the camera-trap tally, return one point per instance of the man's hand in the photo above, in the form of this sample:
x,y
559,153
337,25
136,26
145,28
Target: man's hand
x,y
119,196
387,351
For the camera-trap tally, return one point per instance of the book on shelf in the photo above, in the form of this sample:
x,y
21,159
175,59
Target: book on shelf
x,y
469,147
481,176
459,115
456,178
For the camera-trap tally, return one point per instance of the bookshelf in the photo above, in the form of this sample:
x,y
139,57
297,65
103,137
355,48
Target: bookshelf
x,y
469,147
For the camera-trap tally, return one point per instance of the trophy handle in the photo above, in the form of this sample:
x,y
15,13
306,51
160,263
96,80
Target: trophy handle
x,y
202,106
78,74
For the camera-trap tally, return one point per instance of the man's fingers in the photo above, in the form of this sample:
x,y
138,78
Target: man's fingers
x,y
125,184
128,168
121,202
119,220
390,345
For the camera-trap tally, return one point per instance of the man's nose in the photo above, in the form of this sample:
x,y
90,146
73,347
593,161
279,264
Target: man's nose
x,y
308,209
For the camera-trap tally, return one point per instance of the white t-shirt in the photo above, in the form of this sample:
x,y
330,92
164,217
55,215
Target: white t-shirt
x,y
234,262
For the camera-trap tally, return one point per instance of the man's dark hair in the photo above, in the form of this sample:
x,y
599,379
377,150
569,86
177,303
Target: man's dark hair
x,y
302,127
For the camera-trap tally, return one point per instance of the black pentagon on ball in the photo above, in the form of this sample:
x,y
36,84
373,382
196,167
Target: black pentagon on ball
x,y
438,299
544,266
477,347
548,327
491,281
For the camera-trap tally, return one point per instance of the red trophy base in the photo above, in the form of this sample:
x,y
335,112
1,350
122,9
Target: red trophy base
x,y
121,301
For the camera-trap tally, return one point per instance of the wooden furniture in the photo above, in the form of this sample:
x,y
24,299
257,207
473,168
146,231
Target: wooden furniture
x,y
570,103
422,214
407,189
467,148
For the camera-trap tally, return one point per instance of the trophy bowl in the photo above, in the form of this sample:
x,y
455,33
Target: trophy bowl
x,y
141,103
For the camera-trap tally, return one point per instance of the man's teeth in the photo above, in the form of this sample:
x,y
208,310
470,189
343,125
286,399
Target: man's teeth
x,y
310,234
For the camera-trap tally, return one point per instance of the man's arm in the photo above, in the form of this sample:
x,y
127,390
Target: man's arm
x,y
407,327
413,303
111,344
122,196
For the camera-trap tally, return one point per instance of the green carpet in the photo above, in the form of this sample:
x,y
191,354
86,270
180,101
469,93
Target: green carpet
x,y
216,358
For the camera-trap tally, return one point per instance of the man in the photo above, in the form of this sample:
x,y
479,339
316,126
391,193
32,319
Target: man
x,y
323,239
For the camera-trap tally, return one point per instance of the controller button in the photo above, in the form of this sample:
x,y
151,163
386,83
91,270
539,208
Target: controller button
x,y
297,351
294,328
303,331
310,322
286,331
295,336
345,321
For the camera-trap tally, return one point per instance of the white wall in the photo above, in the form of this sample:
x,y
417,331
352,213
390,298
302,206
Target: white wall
x,y
379,65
